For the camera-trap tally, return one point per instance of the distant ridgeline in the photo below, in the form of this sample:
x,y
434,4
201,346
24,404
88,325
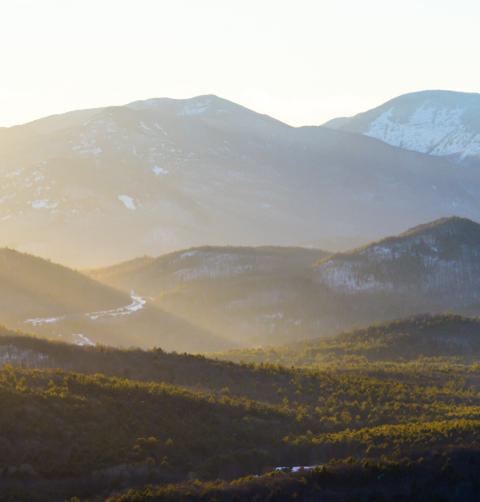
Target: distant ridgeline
x,y
163,174
217,298
273,295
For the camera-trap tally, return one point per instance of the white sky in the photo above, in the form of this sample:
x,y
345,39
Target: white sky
x,y
302,61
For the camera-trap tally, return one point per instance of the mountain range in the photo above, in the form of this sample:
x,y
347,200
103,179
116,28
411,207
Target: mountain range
x,y
441,123
259,296
159,175
299,375
216,298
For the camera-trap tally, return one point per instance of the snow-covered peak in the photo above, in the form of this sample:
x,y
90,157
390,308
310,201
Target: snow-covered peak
x,y
442,123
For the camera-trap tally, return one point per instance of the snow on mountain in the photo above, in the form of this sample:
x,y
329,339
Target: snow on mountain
x,y
274,295
441,123
92,187
431,266
128,202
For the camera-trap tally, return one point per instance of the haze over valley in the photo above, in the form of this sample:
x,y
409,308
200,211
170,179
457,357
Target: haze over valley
x,y
239,251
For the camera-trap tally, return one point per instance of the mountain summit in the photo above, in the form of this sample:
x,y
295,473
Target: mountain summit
x,y
159,175
442,123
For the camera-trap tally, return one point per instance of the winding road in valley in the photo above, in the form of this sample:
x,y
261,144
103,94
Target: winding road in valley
x,y
137,304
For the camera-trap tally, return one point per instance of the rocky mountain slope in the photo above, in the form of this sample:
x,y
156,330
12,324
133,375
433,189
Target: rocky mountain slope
x,y
159,175
441,123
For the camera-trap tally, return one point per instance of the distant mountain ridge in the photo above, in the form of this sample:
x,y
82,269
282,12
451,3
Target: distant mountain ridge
x,y
268,295
440,123
158,175
250,295
441,259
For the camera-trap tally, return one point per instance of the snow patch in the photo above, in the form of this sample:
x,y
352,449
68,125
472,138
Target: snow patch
x,y
138,303
39,321
194,108
43,204
297,468
157,170
82,340
10,354
187,254
128,202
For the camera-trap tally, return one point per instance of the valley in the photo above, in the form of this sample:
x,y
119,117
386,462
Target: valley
x,y
238,308
239,251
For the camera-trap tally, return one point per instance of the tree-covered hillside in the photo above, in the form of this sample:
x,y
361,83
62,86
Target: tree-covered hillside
x,y
446,337
452,475
154,417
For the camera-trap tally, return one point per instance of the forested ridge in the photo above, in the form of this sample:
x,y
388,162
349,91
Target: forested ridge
x,y
450,338
452,475
110,419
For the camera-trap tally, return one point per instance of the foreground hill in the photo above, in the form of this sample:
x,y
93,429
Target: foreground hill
x,y
451,476
51,300
440,123
105,434
446,337
296,390
249,294
162,174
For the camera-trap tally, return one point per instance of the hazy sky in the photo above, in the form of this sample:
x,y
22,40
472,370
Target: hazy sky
x,y
302,61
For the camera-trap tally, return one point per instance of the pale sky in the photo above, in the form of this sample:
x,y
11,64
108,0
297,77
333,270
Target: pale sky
x,y
301,61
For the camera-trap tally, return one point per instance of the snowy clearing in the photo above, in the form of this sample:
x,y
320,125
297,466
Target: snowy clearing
x,y
82,340
158,171
128,202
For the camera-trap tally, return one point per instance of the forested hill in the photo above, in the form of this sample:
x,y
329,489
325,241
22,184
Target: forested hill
x,y
155,417
450,476
447,336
